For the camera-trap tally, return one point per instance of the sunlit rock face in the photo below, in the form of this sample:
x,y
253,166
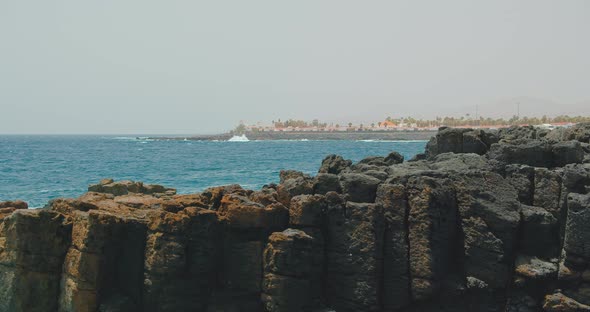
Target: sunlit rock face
x,y
482,221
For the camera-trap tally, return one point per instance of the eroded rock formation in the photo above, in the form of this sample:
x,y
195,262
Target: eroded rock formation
x,y
482,221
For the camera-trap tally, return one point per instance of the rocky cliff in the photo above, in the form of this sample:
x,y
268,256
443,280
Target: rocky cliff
x,y
482,221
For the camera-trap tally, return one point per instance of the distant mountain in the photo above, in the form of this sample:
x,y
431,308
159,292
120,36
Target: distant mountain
x,y
532,107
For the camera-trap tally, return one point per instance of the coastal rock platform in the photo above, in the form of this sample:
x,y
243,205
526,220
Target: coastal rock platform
x,y
482,221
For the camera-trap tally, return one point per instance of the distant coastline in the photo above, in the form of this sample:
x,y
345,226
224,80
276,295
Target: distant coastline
x,y
312,135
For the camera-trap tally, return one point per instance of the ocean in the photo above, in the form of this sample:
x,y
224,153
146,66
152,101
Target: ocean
x,y
37,169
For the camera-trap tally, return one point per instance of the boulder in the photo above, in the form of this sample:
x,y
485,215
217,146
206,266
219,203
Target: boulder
x,y
450,162
474,142
579,132
522,178
394,158
307,211
533,278
361,188
558,302
17,204
326,182
374,161
291,174
334,164
569,152
213,195
456,140
447,140
293,187
379,161
536,153
242,213
515,133
265,197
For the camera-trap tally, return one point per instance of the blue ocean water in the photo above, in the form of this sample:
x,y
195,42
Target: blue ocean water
x,y
39,168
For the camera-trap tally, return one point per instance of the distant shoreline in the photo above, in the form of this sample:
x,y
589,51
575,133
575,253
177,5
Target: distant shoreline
x,y
315,135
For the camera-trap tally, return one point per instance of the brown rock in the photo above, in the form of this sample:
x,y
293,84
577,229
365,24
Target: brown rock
x,y
242,213
104,261
33,244
288,262
17,204
559,303
307,210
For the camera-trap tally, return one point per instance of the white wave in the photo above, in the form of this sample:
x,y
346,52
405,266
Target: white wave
x,y
241,138
123,138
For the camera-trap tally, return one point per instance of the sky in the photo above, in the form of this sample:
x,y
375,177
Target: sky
x,y
196,67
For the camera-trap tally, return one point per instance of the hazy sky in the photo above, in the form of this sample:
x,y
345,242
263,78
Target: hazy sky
x,y
120,66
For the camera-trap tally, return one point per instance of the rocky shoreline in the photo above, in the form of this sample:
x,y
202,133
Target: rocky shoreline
x,y
314,135
482,221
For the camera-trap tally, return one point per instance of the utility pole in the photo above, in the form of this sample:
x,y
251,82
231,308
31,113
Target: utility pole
x,y
518,110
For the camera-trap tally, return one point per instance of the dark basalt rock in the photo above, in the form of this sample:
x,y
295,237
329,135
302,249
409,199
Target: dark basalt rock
x,y
526,132
353,256
522,178
579,132
483,221
570,152
300,185
536,153
394,158
334,164
362,188
453,140
539,232
326,182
